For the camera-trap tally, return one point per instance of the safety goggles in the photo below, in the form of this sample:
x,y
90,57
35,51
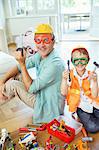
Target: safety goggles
x,y
46,39
82,61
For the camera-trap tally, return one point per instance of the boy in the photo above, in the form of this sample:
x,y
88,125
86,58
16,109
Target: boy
x,y
82,93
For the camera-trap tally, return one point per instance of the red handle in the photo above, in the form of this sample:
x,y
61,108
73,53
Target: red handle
x,y
42,127
27,129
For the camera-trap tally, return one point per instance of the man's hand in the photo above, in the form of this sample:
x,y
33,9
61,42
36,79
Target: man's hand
x,y
26,79
18,56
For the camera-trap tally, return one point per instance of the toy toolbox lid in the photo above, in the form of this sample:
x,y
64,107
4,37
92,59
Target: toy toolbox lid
x,y
59,134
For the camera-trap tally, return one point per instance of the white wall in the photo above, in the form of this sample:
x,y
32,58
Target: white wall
x,y
94,27
2,18
3,41
19,25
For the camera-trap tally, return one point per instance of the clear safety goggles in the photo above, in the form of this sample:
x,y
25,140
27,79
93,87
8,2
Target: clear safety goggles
x,y
46,39
82,61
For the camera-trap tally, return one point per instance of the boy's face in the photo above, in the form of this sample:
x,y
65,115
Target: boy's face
x,y
44,44
79,60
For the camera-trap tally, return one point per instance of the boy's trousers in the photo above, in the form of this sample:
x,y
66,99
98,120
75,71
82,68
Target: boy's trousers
x,y
89,120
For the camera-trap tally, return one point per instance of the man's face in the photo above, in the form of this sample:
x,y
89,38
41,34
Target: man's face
x,y
79,60
44,44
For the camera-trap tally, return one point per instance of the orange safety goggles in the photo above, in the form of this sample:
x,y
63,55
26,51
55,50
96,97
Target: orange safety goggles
x,y
46,39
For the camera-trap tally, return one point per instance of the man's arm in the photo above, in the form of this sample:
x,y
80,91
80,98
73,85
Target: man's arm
x,y
27,80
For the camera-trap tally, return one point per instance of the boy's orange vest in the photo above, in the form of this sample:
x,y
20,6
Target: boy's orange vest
x,y
73,96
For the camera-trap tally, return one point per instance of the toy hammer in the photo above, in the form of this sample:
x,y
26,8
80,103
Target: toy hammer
x,y
68,63
20,49
96,64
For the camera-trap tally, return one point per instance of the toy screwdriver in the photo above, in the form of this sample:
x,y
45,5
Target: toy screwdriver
x,y
27,129
41,128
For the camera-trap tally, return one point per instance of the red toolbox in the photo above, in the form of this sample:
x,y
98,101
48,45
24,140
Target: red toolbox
x,y
66,136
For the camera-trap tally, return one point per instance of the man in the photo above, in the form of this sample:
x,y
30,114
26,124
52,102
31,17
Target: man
x,y
43,93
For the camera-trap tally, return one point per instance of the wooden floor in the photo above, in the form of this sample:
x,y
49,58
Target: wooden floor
x,y
15,114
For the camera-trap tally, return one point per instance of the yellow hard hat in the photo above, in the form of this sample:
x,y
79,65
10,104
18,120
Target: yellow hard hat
x,y
43,28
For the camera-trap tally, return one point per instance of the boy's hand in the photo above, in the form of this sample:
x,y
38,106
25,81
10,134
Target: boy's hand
x,y
65,74
93,76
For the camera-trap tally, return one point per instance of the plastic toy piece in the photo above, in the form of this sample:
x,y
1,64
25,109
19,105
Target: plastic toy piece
x,y
27,129
49,144
62,127
81,145
4,136
32,144
42,127
65,145
38,148
27,138
54,127
62,124
87,139
10,145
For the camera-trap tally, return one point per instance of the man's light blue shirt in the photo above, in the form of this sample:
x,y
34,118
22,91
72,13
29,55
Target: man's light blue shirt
x,y
49,101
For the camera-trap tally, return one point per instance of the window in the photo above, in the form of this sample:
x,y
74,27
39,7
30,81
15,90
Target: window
x,y
75,5
22,7
75,15
47,6
95,2
32,7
